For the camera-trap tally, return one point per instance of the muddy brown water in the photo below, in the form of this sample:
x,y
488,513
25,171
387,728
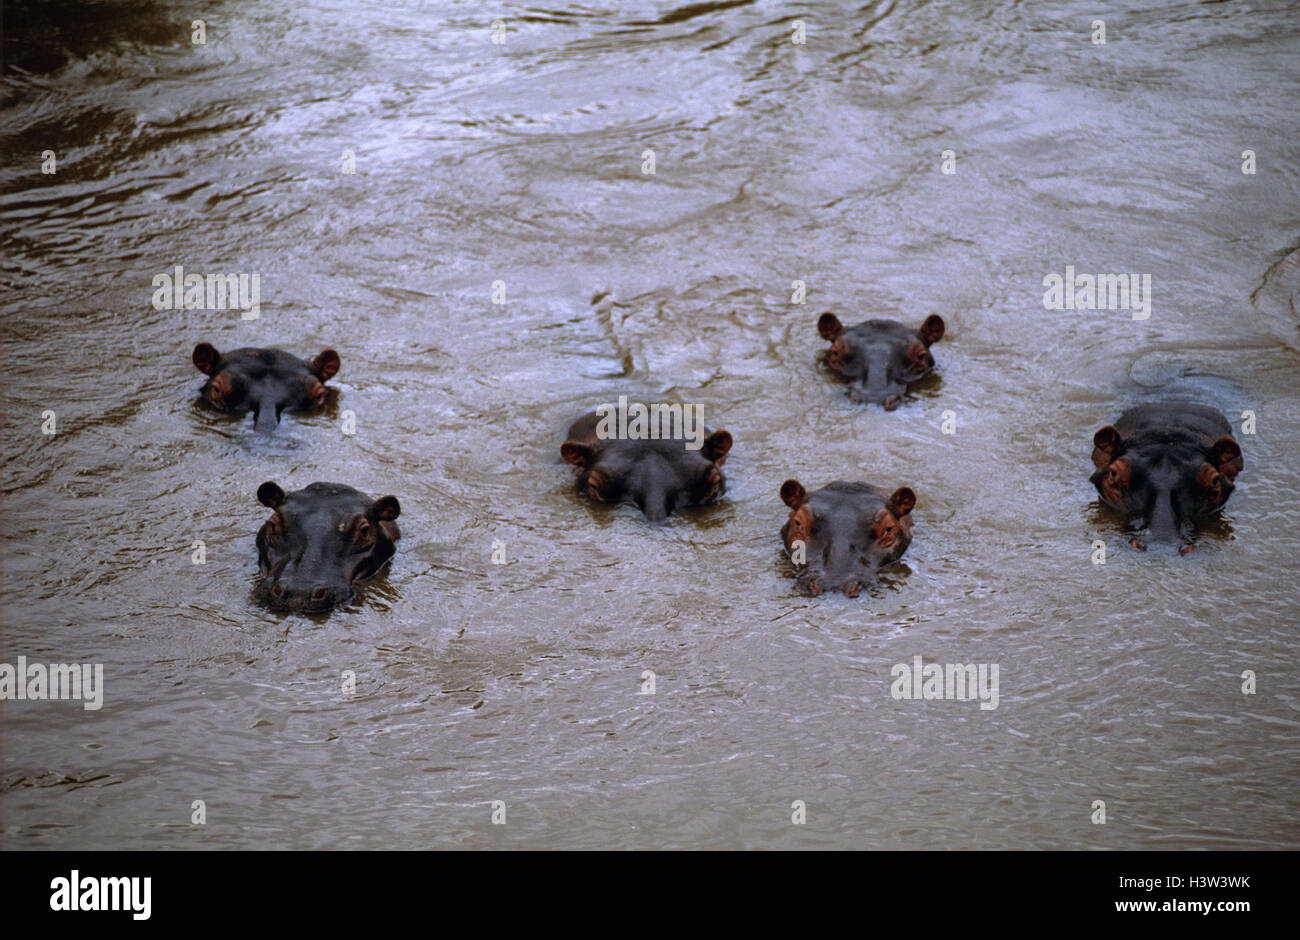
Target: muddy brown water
x,y
522,163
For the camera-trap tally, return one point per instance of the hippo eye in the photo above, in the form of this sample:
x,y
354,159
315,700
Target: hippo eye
x,y
221,390
363,536
315,393
709,485
600,487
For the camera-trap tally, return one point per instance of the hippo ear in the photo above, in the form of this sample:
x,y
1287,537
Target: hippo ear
x,y
793,494
932,329
901,503
206,358
581,456
829,326
325,365
385,508
716,446
1107,443
270,495
1226,454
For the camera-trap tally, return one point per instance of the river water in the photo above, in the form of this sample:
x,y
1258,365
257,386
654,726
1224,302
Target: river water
x,y
523,162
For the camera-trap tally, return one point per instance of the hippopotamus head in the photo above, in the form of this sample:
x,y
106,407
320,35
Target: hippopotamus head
x,y
844,533
655,475
319,542
880,357
1164,468
265,381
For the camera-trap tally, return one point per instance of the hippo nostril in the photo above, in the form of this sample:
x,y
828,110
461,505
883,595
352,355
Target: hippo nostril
x,y
277,590
319,593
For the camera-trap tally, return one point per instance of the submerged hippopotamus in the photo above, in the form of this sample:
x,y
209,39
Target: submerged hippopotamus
x,y
266,381
655,475
1164,467
842,534
880,357
320,541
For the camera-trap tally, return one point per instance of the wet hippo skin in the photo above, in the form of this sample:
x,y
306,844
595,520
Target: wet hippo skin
x,y
1165,467
320,542
848,532
263,381
655,475
880,358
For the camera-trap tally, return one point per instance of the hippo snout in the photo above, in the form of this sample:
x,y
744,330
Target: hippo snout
x,y
810,583
656,504
310,597
266,417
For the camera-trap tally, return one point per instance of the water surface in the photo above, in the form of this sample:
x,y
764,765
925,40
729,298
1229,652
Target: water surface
x,y
522,163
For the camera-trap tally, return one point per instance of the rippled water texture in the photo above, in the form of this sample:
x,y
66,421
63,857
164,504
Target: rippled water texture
x,y
522,162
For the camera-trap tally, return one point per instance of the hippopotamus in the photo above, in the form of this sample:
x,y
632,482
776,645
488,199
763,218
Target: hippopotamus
x,y
880,357
657,475
266,381
840,535
319,542
1164,467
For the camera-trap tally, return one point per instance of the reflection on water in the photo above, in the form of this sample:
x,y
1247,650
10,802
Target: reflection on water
x,y
387,168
